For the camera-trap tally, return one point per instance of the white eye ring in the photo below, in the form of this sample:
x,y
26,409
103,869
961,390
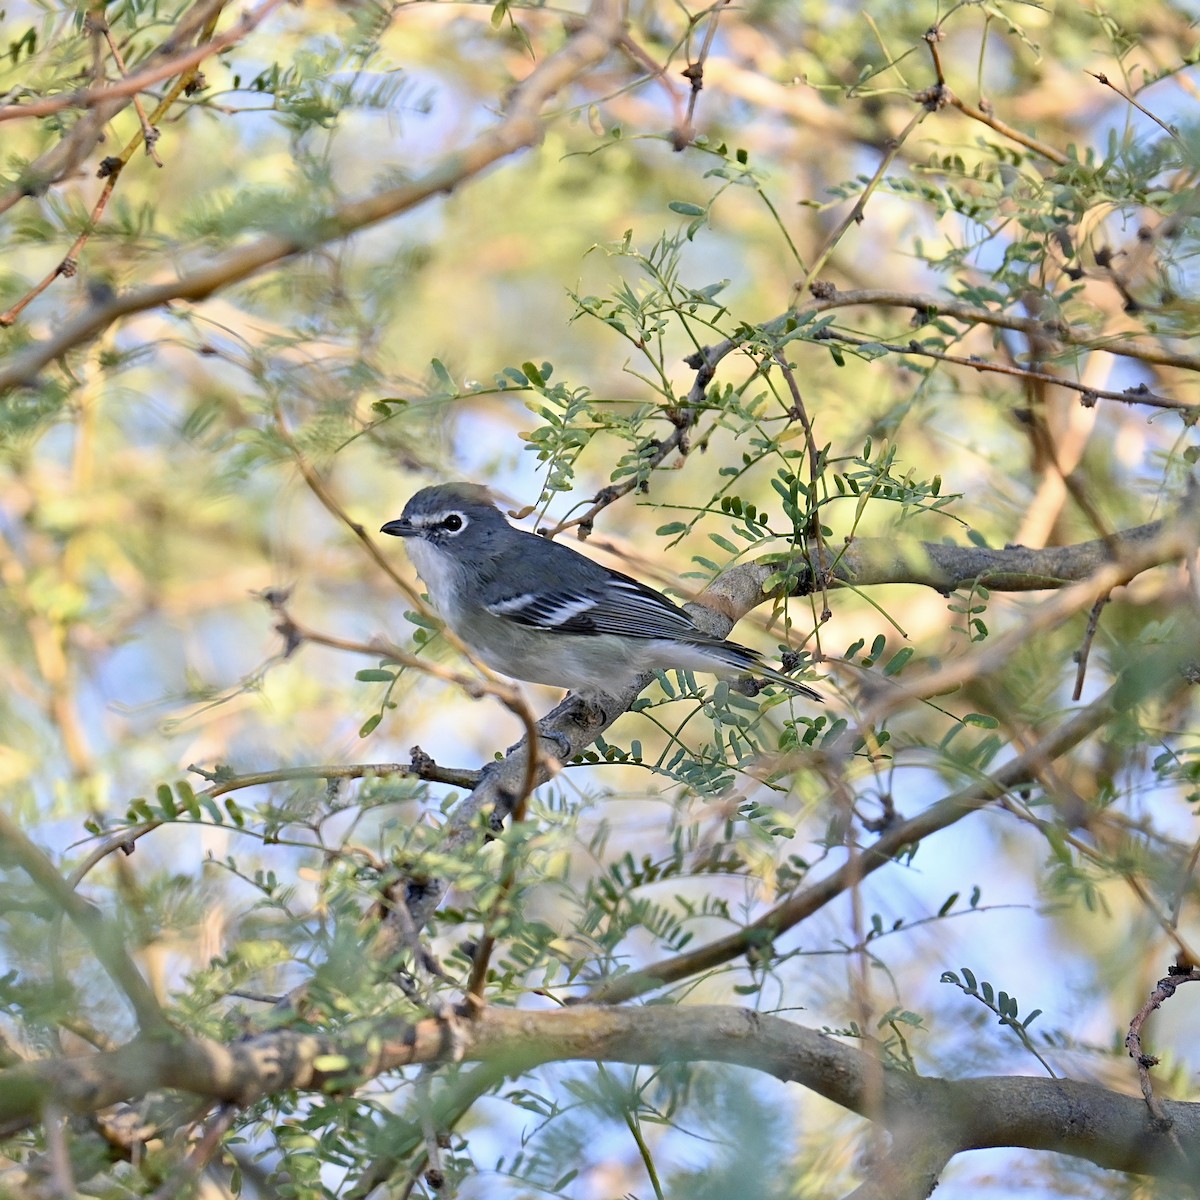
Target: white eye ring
x,y
454,522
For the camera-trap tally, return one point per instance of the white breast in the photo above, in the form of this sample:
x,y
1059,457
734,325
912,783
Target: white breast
x,y
441,575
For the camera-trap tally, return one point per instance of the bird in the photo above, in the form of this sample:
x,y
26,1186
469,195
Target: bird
x,y
536,610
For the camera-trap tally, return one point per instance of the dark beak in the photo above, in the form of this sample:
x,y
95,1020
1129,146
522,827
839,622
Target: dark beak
x,y
400,527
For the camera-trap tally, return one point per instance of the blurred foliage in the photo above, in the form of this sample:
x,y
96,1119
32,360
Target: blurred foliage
x,y
536,326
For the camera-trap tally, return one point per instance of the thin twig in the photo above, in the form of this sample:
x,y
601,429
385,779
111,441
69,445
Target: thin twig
x,y
149,132
858,208
1100,77
507,693
1138,394
422,768
814,518
694,73
1163,991
1085,648
986,117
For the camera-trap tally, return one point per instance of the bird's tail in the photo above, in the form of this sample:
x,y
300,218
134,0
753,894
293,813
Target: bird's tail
x,y
747,661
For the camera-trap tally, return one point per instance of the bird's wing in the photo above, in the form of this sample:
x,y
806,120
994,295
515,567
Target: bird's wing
x,y
605,603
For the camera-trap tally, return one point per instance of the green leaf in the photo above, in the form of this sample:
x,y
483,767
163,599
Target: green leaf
x,y
374,675
370,724
166,801
982,720
444,380
684,209
187,798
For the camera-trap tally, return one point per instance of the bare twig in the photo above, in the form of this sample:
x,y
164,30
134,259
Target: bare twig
x,y
1137,394
1163,991
1085,648
422,767
988,118
858,208
1100,77
148,131
824,557
694,73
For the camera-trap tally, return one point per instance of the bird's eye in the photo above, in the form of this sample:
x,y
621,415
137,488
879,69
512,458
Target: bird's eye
x,y
453,523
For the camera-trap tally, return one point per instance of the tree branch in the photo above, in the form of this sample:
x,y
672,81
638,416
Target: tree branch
x,y
1081,1119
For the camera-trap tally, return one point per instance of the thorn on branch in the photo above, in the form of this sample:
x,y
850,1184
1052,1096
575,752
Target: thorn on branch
x,y
933,98
887,816
421,762
216,775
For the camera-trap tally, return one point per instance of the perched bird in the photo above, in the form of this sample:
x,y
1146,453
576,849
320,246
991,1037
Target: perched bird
x,y
536,610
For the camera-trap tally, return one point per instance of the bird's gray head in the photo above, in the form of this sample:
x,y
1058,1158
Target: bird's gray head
x,y
449,515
